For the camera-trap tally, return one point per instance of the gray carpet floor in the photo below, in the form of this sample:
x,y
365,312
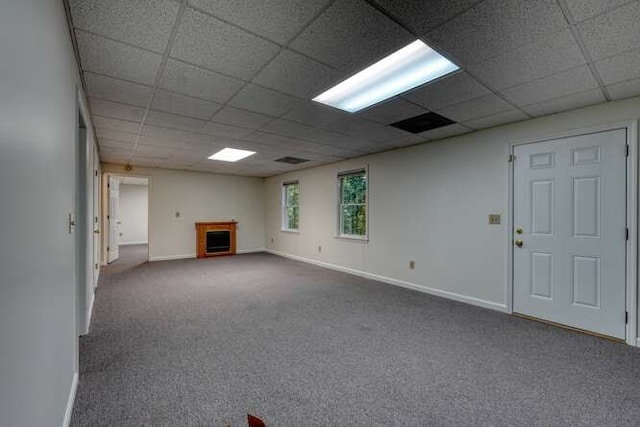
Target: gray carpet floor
x,y
203,342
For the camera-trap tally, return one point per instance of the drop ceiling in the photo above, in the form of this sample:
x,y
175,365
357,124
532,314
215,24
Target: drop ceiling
x,y
171,82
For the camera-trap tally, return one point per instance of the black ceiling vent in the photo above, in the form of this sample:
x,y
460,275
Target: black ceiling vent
x,y
423,122
291,160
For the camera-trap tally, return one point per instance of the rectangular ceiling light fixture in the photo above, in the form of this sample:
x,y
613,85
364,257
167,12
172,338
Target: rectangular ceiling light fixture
x,y
407,68
231,155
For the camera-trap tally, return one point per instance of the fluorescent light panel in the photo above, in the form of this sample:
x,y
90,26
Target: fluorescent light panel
x,y
409,67
231,155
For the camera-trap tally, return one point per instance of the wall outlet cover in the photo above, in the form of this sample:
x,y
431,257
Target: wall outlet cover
x,y
494,219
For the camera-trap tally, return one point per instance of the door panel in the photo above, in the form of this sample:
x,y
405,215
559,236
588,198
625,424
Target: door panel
x,y
570,202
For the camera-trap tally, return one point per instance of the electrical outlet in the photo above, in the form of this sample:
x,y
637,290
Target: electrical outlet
x,y
412,265
319,248
494,219
177,214
272,240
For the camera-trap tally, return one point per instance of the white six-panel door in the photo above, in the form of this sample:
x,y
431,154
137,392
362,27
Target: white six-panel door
x,y
570,231
114,215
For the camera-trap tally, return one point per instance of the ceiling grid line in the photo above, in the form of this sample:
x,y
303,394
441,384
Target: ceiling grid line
x,y
583,49
163,63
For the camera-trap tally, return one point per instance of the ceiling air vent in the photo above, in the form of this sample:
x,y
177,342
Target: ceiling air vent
x,y
291,160
422,123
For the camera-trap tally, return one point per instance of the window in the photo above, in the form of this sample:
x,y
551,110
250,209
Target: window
x,y
290,206
353,204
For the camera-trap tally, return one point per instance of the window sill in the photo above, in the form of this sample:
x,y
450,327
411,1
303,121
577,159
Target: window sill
x,y
284,230
363,239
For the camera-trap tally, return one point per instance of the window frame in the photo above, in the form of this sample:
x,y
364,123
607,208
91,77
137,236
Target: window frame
x,y
284,213
340,235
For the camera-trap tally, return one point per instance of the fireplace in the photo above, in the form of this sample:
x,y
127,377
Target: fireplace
x,y
215,238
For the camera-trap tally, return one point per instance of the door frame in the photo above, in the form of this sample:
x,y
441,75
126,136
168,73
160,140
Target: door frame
x,y
105,210
632,261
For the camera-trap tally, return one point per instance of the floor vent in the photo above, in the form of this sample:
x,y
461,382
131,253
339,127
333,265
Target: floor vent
x,y
291,160
423,122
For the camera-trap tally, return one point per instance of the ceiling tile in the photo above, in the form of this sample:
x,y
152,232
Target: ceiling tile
x,y
152,151
117,153
198,82
571,102
115,135
168,120
624,90
497,119
446,91
211,43
155,135
100,122
287,128
585,9
625,66
116,110
315,114
146,24
483,106
183,105
565,83
496,26
241,118
117,90
347,24
446,132
297,75
120,145
612,33
543,58
116,59
265,101
218,129
277,20
392,111
149,162
423,16
352,125
383,134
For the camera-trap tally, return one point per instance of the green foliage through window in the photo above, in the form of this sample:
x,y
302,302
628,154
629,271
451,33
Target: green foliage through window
x,y
353,203
291,206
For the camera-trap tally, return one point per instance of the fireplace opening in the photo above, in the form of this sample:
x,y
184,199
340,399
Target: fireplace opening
x,y
218,241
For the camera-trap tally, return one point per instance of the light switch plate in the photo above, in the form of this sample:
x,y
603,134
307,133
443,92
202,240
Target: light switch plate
x,y
494,219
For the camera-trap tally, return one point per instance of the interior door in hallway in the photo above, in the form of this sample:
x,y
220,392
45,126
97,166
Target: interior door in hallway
x,y
114,214
570,231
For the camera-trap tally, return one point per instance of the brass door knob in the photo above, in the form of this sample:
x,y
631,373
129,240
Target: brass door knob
x,y
519,230
519,243
96,231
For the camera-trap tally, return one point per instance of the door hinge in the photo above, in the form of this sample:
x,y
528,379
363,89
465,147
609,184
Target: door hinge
x,y
108,217
96,173
96,266
512,158
626,234
109,185
626,317
107,248
627,153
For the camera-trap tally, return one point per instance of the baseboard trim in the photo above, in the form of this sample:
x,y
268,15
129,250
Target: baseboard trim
x,y
70,401
401,283
171,257
133,243
250,251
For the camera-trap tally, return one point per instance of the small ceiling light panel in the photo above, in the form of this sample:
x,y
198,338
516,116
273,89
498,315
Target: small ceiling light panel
x,y
405,69
231,155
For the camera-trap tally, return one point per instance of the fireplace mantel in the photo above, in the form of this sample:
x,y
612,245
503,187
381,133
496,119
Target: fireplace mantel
x,y
215,238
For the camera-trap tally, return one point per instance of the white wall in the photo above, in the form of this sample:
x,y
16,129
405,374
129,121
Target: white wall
x,y
38,123
428,203
134,214
199,196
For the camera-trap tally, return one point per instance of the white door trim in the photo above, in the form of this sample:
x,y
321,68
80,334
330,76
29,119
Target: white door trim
x,y
632,218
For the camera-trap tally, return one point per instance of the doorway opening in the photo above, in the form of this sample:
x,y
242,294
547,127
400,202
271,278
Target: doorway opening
x,y
127,220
